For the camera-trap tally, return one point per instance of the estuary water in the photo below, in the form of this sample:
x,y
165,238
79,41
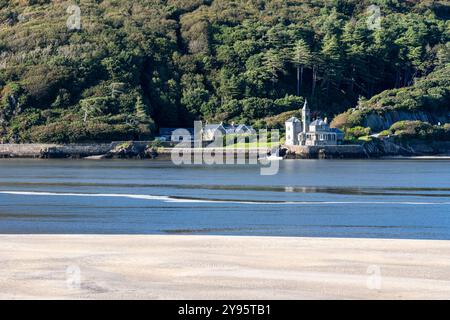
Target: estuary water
x,y
407,199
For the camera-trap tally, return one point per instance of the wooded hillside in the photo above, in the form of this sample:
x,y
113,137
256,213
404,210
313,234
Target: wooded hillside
x,y
136,65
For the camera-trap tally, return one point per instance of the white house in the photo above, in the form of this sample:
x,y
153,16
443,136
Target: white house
x,y
307,133
210,131
293,127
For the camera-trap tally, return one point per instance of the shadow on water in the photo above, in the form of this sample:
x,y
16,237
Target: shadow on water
x,y
370,199
364,191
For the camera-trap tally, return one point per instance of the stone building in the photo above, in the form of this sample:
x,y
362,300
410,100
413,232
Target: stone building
x,y
210,131
307,133
293,128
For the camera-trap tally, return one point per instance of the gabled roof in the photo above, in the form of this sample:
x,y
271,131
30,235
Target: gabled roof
x,y
293,119
244,127
239,129
318,122
214,127
169,131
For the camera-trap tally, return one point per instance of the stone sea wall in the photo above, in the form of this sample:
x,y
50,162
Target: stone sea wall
x,y
137,150
54,150
122,149
325,152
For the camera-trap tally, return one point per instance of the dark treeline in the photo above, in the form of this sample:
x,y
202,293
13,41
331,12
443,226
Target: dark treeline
x,y
138,65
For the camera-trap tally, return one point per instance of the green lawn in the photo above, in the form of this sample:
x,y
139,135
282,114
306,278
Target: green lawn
x,y
248,145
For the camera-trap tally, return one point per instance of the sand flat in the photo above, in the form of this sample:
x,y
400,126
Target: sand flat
x,y
221,267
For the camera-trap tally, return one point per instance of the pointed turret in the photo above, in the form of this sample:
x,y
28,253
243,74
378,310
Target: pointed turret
x,y
305,117
305,105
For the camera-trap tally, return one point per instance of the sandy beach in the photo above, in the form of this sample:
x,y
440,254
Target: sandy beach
x,y
217,267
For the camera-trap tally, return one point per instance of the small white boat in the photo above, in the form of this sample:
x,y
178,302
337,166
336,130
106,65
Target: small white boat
x,y
274,156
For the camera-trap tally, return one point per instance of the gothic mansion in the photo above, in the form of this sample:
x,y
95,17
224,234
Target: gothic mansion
x,y
307,133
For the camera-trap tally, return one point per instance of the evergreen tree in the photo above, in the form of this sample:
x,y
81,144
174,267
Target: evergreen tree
x,y
332,55
357,44
89,107
274,64
301,58
141,110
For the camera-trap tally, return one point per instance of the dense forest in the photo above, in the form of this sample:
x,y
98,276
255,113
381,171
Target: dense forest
x,y
129,67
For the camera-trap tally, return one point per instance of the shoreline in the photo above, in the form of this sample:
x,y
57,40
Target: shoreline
x,y
436,157
221,267
140,150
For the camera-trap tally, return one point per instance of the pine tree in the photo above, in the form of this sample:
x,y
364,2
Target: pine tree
x,y
141,110
317,63
89,107
358,50
332,55
274,64
301,58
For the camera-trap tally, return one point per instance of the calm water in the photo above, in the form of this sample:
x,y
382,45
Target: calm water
x,y
377,199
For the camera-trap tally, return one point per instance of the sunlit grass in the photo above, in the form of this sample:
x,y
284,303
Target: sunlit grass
x,y
248,145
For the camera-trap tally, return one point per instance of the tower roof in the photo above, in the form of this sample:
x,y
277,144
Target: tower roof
x,y
305,106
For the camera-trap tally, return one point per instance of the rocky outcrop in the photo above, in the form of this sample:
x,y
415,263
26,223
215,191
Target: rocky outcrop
x,y
127,150
395,147
383,121
123,150
76,151
324,152
132,150
374,149
53,150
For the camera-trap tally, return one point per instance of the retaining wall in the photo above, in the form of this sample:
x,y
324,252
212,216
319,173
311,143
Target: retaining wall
x,y
326,152
53,150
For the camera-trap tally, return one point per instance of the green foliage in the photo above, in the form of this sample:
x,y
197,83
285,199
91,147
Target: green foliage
x,y
276,122
78,131
356,132
155,145
420,130
142,64
430,94
385,133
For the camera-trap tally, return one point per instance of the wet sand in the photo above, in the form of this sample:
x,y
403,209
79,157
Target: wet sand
x,y
218,267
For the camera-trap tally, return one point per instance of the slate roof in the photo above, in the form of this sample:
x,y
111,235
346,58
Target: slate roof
x,y
293,119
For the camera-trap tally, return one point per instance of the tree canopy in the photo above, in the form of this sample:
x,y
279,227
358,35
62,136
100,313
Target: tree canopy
x,y
131,66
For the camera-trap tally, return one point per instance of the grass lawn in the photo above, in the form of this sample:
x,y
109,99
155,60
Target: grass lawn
x,y
365,138
248,145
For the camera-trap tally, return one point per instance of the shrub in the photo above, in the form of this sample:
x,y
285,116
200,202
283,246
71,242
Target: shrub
x,y
420,130
385,133
412,129
71,132
356,133
348,119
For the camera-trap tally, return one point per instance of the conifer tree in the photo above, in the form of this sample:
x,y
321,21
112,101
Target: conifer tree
x,y
301,58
